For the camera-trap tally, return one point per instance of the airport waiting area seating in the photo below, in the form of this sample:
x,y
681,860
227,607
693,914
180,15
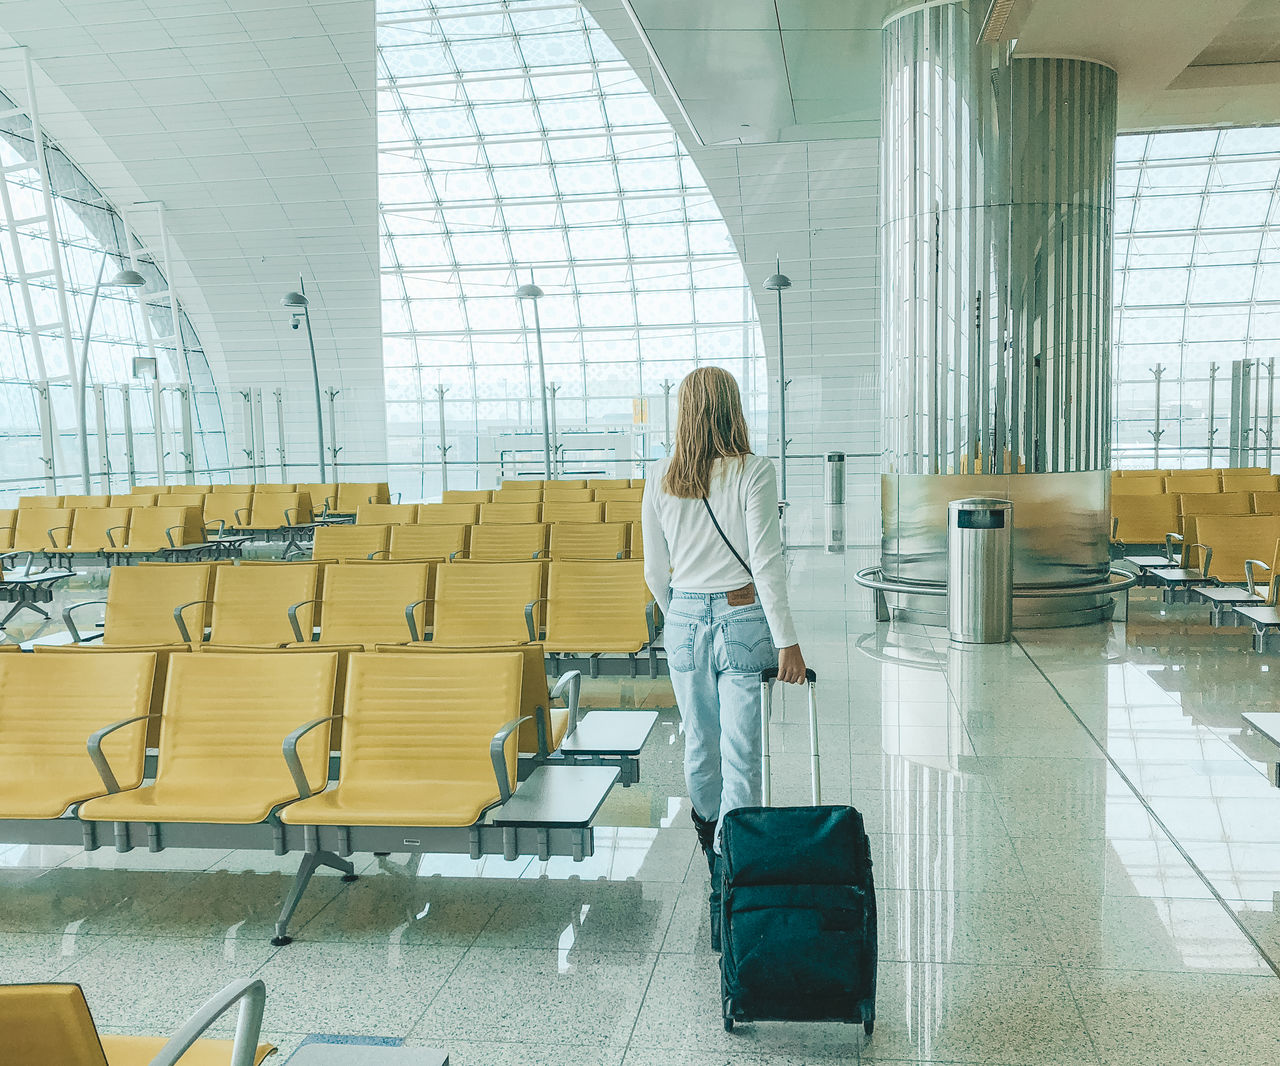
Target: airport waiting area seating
x,y
428,757
48,1023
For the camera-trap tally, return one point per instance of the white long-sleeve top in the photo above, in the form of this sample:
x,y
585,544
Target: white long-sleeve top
x,y
683,550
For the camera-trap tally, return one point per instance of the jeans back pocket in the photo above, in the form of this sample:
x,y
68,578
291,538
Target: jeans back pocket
x,y
748,645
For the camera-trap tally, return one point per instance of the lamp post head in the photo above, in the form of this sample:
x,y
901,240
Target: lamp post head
x,y
294,299
128,279
529,292
777,282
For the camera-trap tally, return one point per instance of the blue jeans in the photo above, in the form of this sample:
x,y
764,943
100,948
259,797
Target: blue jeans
x,y
715,653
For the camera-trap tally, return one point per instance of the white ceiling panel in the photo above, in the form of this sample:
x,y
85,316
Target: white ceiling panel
x,y
254,124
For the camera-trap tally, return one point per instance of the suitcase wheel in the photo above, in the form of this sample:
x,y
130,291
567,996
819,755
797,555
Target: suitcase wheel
x,y
728,1025
868,1027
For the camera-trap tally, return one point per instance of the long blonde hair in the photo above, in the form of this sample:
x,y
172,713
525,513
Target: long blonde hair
x,y
709,426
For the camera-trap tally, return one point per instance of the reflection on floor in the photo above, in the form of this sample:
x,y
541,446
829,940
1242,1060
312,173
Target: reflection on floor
x,y
1077,852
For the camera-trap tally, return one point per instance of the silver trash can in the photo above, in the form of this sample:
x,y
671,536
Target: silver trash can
x,y
980,571
834,495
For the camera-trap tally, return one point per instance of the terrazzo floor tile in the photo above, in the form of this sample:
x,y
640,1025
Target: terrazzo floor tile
x,y
104,901
153,984
937,861
180,859
31,957
1140,933
1156,1019
962,927
523,1053
625,853
561,996
1100,867
355,988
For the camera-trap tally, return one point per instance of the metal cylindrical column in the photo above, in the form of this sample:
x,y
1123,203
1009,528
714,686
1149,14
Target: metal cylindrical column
x,y
996,236
980,571
834,483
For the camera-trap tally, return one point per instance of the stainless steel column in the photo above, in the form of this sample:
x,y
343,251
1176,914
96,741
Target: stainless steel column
x,y
996,239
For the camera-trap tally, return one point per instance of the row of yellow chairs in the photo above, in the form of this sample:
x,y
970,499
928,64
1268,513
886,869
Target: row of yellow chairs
x,y
429,740
1149,519
494,513
1164,482
341,497
493,542
99,529
549,492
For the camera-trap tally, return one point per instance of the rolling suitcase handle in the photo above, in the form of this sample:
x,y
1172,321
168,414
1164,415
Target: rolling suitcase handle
x,y
767,677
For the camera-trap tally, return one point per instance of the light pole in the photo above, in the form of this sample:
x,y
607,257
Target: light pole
x,y
777,281
127,279
299,304
532,292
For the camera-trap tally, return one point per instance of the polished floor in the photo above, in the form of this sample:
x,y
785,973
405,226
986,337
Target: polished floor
x,y
1077,857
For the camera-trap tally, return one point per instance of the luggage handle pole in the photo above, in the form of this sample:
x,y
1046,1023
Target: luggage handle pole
x,y
767,677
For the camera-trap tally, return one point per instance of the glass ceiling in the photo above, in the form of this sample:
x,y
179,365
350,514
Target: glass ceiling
x,y
516,142
1197,282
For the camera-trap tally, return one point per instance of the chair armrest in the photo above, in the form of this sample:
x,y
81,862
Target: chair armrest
x,y
297,513
1249,566
570,687
461,553
1170,539
219,528
69,621
251,994
242,517
498,758
530,622
412,622
398,496
293,622
168,534
651,619
54,540
1115,527
95,750
380,551
182,622
1208,558
112,540
26,567
290,749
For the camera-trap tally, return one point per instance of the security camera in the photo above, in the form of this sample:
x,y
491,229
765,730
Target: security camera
x,y
294,323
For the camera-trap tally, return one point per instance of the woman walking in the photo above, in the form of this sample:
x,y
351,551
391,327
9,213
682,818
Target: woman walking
x,y
713,561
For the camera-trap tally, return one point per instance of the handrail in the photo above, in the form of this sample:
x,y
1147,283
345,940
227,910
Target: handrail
x,y
872,577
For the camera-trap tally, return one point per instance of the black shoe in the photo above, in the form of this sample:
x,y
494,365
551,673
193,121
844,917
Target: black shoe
x,y
706,830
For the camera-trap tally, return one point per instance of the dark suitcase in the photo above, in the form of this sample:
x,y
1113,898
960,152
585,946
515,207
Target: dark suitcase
x,y
798,906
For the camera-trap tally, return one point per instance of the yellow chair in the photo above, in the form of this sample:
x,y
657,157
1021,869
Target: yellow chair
x,y
373,603
1141,473
186,499
554,490
1261,502
476,496
497,513
1198,503
324,497
555,511
508,543
427,542
447,514
480,603
31,502
590,540
417,731
77,502
619,495
251,605
635,541
598,608
351,494
346,543
140,603
563,485
1232,482
225,719
547,725
274,486
637,483
136,498
42,529
622,511
48,1024
1230,540
607,483
239,489
1224,471
276,510
8,519
1139,519
526,496
227,510
522,484
1183,483
153,529
96,529
50,709
386,514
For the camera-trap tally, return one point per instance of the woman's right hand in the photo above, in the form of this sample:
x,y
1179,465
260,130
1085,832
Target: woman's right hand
x,y
791,668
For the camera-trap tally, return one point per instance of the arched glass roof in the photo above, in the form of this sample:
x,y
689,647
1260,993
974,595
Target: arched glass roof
x,y
1197,282
516,142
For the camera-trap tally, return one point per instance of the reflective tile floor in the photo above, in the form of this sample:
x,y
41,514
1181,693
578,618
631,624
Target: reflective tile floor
x,y
1077,857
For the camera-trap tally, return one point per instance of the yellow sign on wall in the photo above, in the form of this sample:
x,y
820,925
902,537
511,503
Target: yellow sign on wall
x,y
640,411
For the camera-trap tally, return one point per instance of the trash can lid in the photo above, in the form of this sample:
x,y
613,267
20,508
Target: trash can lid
x,y
980,503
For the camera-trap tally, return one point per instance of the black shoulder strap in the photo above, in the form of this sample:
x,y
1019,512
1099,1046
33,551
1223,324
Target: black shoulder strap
x,y
740,559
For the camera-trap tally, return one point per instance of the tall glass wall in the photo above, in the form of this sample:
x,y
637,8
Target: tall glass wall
x,y
33,431
517,144
1197,283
